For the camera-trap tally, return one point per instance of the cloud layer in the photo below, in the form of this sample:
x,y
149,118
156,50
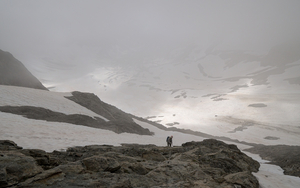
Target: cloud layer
x,y
80,29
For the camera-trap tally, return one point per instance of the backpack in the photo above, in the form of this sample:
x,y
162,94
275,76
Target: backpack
x,y
167,139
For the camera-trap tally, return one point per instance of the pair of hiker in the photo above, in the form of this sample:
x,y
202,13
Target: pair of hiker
x,y
169,141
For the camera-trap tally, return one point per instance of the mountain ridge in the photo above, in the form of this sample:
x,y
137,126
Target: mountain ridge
x,y
13,72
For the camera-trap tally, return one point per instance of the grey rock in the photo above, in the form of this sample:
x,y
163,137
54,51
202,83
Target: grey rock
x,y
119,121
72,167
100,163
271,138
257,105
137,168
3,177
17,167
95,163
155,156
6,145
210,163
46,178
41,157
244,179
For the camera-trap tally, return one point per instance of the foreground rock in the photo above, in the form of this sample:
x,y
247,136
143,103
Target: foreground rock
x,y
210,163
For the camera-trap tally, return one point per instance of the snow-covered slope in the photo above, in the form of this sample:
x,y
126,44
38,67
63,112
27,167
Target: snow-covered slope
x,y
30,133
239,95
19,96
49,136
225,93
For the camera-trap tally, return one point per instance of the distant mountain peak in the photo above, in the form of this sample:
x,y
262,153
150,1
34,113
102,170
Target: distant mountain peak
x,y
14,73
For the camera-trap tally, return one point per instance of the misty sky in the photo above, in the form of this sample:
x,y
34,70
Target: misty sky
x,y
201,48
65,34
53,27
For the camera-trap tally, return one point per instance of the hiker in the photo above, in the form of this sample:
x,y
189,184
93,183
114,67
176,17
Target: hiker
x,y
169,141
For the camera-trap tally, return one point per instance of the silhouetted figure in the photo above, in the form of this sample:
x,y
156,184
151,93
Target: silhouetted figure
x,y
169,141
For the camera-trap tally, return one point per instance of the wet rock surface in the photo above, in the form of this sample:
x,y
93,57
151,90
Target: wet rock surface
x,y
210,163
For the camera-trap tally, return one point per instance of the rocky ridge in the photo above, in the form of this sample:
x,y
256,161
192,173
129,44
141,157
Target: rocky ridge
x,y
210,163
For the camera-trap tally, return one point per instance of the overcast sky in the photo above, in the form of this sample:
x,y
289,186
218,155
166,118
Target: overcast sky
x,y
69,32
107,47
40,25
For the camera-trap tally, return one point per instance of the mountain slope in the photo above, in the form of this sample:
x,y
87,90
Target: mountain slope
x,y
13,72
54,135
231,93
122,121
17,103
53,107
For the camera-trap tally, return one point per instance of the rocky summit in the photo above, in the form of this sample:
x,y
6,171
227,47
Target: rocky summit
x,y
210,163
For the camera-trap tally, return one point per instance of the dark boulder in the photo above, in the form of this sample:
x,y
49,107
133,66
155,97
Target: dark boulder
x,y
7,145
16,167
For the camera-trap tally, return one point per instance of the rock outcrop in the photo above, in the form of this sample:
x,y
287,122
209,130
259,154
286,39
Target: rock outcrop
x,y
14,73
210,163
39,113
119,121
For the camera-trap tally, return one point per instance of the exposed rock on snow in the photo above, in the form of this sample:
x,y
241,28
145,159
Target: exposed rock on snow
x,y
271,138
77,119
258,105
210,163
119,120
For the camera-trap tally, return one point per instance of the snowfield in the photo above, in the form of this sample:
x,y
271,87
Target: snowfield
x,y
55,101
223,93
50,136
